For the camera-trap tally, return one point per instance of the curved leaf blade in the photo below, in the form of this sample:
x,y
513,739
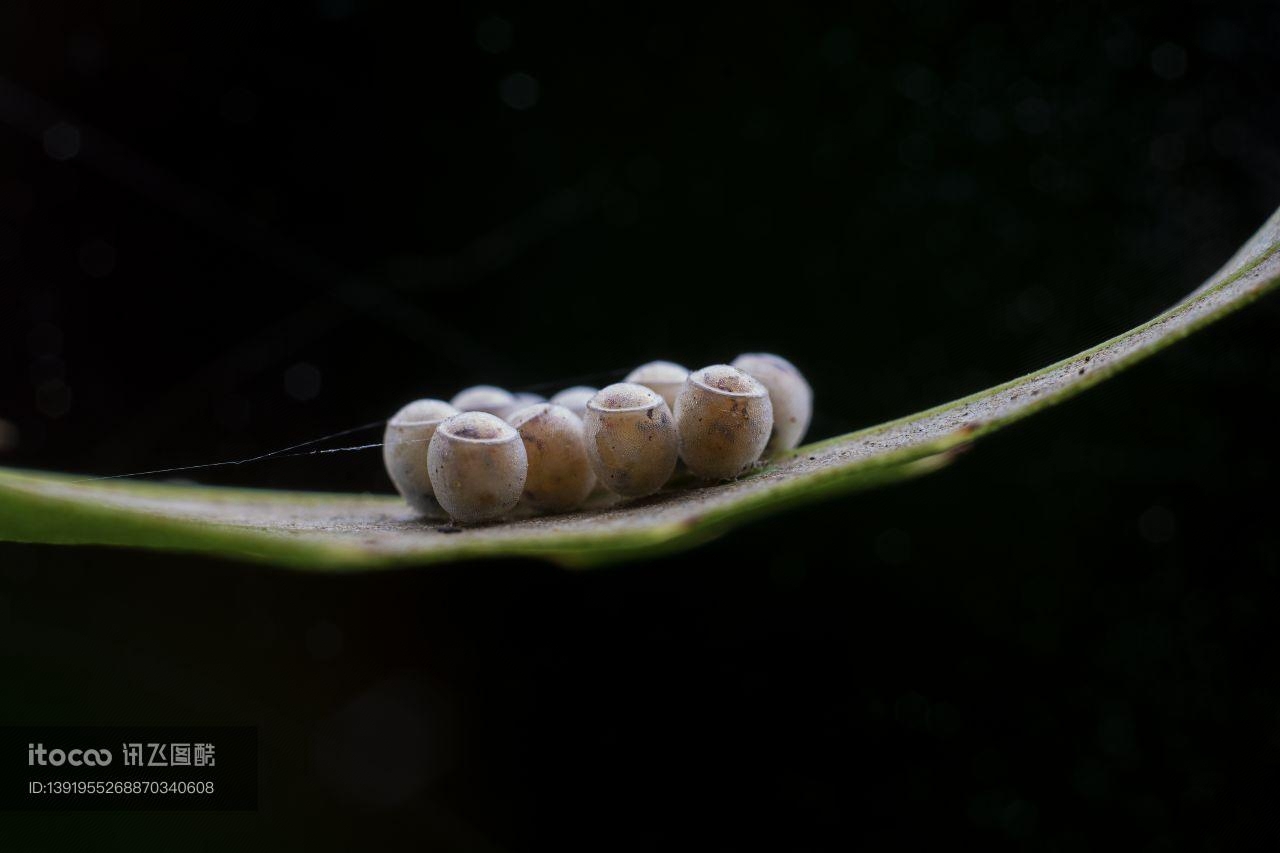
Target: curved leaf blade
x,y
360,531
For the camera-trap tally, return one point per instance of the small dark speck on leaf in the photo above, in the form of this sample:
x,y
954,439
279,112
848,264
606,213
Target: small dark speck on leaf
x,y
448,528
811,458
1081,371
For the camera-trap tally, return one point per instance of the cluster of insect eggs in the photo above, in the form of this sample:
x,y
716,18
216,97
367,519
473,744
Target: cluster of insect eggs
x,y
485,451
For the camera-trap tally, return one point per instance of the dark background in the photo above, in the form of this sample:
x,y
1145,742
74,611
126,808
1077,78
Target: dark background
x,y
228,229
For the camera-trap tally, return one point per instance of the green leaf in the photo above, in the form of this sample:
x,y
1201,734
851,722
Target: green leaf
x,y
325,531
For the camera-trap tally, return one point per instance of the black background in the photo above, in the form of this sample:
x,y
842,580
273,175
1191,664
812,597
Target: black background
x,y
228,229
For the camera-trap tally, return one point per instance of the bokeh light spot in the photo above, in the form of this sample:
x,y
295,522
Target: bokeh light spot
x,y
53,398
97,258
324,640
519,91
62,141
302,382
893,546
494,34
1169,61
837,47
336,10
44,339
1157,525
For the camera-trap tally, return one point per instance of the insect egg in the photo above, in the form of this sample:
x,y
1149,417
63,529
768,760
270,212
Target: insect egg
x,y
665,377
631,439
484,398
477,465
404,451
520,399
790,394
560,475
575,399
724,418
